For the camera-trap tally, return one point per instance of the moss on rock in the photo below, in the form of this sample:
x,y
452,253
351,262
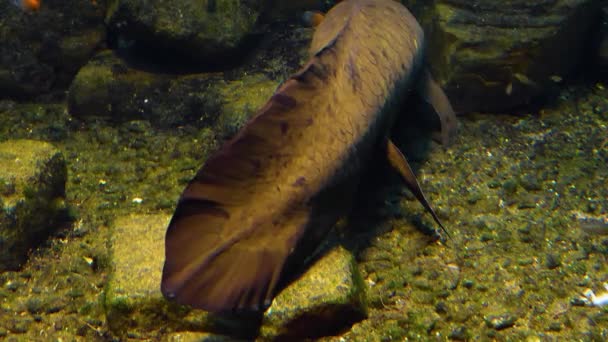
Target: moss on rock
x,y
32,193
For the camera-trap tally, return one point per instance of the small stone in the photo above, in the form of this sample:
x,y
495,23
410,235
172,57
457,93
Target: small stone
x,y
525,261
459,334
441,308
555,326
327,299
34,305
499,322
530,182
474,197
577,302
509,186
527,203
552,261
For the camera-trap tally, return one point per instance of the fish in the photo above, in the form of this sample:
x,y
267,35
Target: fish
x,y
312,18
262,204
27,5
34,5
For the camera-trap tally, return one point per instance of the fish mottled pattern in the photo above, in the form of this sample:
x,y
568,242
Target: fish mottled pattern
x,y
284,100
278,178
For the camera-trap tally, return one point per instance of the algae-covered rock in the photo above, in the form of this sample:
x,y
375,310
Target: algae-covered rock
x,y
602,50
325,300
495,55
330,296
191,336
32,194
41,51
133,302
108,87
210,30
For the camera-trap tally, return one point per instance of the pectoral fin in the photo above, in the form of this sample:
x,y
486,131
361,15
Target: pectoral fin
x,y
431,93
399,163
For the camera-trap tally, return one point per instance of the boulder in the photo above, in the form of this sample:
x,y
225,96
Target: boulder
x,y
212,31
328,297
32,197
109,87
41,51
494,55
602,50
133,302
326,300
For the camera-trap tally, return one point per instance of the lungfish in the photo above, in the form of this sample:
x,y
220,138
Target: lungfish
x,y
267,198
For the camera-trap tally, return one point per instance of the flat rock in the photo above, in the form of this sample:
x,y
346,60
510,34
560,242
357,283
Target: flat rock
x,y
32,194
327,299
133,301
495,55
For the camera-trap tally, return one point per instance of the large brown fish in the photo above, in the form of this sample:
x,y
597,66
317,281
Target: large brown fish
x,y
267,197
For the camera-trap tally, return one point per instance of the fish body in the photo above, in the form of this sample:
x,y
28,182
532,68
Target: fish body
x,y
269,195
27,5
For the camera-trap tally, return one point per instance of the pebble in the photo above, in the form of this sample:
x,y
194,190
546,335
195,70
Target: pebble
x,y
552,261
499,322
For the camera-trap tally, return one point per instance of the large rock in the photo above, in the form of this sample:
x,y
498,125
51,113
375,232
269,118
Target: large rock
x,y
133,301
602,50
108,87
32,194
194,30
495,55
40,52
326,300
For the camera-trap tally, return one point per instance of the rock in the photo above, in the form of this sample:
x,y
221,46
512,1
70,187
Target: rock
x,y
133,300
500,322
213,31
325,300
602,52
132,297
108,87
330,296
32,197
42,51
191,336
493,56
